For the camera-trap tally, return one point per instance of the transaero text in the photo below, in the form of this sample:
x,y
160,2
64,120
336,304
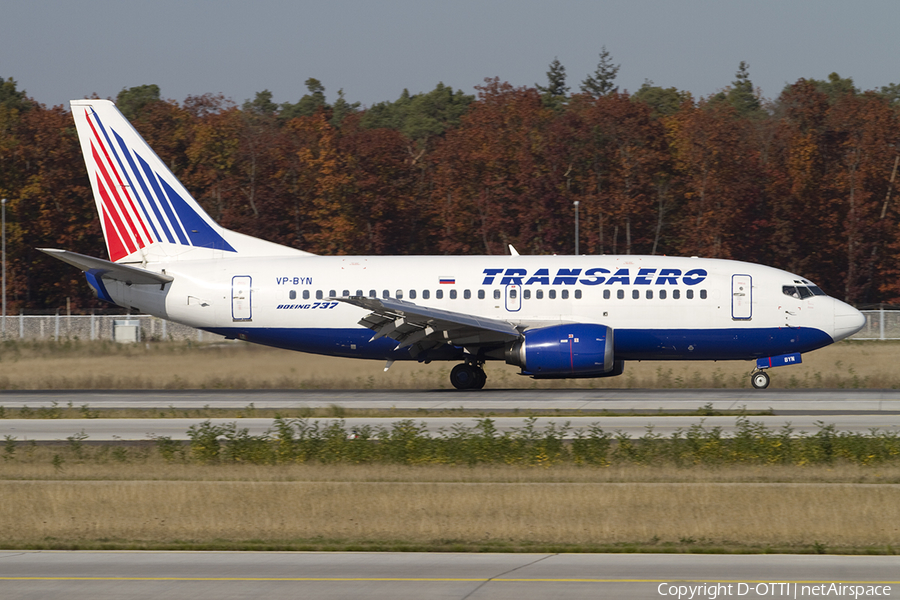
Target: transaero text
x,y
594,276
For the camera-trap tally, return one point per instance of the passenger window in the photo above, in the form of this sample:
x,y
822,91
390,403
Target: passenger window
x,y
399,294
565,294
496,294
385,294
453,294
526,294
635,294
481,294
606,294
552,294
649,294
620,294
467,294
359,292
412,294
318,294
332,293
439,294
676,294
539,294
426,294
512,294
372,294
703,294
689,294
306,294
292,295
346,293
662,294
578,294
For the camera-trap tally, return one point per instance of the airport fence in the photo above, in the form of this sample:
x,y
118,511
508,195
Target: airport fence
x,y
119,328
881,324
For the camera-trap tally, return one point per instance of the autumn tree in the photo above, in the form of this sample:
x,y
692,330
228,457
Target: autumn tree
x,y
612,157
491,184
720,180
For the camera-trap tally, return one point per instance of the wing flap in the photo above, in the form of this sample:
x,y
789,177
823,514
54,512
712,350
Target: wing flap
x,y
418,327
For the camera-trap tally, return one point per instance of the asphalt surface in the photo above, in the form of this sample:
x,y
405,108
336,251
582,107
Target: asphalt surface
x,y
781,401
804,411
224,575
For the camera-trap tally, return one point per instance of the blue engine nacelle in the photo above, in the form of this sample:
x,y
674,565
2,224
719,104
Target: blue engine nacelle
x,y
565,351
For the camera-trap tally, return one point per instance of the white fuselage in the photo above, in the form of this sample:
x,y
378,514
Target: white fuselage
x,y
659,307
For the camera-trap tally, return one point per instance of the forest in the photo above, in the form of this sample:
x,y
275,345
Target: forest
x,y
806,182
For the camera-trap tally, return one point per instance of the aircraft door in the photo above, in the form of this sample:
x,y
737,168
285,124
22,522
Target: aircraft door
x,y
513,298
741,297
241,307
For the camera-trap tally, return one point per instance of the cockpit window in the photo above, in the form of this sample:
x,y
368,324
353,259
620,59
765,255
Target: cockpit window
x,y
801,291
816,291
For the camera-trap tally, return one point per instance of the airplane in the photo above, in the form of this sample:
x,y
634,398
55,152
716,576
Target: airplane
x,y
554,317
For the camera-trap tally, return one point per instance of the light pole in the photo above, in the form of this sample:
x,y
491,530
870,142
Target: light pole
x,y
576,228
3,227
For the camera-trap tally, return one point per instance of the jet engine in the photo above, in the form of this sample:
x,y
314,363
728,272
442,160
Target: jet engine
x,y
565,351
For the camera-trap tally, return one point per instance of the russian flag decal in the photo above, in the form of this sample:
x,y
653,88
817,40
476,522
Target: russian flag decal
x,y
447,280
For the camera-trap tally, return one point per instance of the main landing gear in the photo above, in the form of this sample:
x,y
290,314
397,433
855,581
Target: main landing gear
x,y
468,376
759,380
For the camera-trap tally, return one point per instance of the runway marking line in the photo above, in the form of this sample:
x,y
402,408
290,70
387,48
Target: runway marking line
x,y
425,579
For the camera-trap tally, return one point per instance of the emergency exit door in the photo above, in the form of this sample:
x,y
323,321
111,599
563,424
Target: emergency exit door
x,y
241,308
514,298
741,297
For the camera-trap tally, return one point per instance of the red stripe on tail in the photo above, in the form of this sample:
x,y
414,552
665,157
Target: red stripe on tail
x,y
123,246
117,202
120,182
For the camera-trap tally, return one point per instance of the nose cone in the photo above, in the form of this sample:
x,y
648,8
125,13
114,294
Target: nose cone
x,y
847,320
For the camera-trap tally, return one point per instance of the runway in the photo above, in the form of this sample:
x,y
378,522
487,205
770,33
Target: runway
x,y
853,411
807,401
223,575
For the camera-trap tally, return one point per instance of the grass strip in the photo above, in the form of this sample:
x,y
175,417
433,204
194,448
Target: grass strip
x,y
706,517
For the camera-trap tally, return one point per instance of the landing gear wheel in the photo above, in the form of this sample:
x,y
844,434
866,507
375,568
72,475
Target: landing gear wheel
x,y
464,377
759,380
480,378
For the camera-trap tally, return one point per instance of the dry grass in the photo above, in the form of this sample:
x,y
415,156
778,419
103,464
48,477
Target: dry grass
x,y
78,365
432,513
137,500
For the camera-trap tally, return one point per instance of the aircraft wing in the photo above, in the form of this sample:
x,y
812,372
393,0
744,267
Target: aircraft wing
x,y
421,327
107,269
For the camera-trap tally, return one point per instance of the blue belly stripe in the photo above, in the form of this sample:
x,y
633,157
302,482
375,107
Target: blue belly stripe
x,y
630,344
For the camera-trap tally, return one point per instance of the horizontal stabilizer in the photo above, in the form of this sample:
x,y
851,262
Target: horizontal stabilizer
x,y
107,269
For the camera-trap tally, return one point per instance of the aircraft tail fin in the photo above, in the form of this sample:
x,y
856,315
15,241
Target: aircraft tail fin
x,y
145,212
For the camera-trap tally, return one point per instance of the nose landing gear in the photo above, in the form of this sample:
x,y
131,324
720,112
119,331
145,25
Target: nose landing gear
x,y
468,376
759,380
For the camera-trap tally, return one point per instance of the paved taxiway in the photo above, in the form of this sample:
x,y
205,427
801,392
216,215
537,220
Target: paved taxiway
x,y
222,575
595,400
856,411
